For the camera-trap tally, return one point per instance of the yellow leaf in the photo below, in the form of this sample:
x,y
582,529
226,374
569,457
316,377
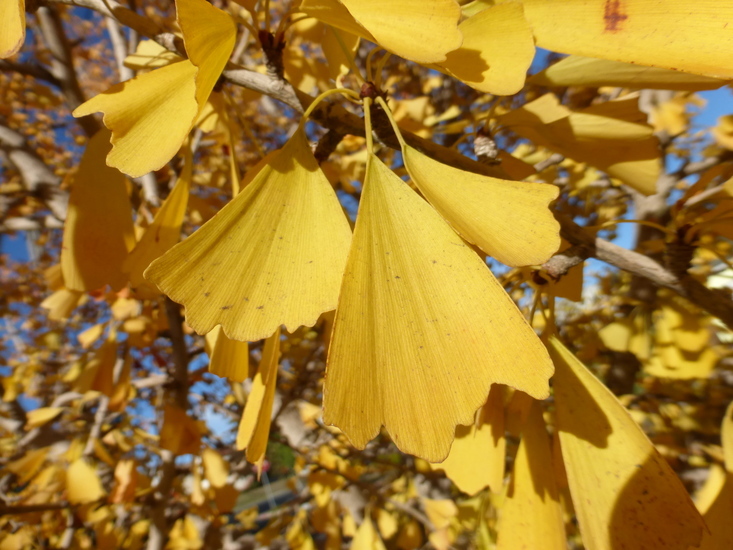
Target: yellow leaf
x,y
624,492
477,456
150,55
673,35
254,429
39,417
726,434
98,231
671,116
12,26
410,536
423,328
414,29
151,114
333,43
298,537
386,523
126,481
440,512
366,537
484,61
609,138
577,70
180,433
228,358
532,514
334,13
715,502
215,468
209,35
27,466
184,535
87,337
161,234
509,220
274,255
82,483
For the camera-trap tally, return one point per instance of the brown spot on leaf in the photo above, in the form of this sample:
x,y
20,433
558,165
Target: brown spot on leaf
x,y
613,15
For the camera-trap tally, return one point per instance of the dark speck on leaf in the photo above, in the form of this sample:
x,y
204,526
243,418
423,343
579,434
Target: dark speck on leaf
x,y
226,307
260,307
207,294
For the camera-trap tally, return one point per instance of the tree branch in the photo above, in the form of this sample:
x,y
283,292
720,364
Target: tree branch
x,y
713,301
62,64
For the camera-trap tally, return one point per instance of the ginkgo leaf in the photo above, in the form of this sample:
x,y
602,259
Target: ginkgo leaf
x,y
715,499
366,537
215,467
41,416
334,13
422,329
577,70
477,456
609,137
334,42
715,502
254,428
484,61
509,220
82,483
150,55
421,31
160,235
228,358
180,433
126,481
12,26
532,515
151,114
298,537
726,434
61,303
209,35
98,232
624,492
273,256
416,30
670,34
27,466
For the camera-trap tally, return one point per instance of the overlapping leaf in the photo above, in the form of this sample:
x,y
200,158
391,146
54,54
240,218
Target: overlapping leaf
x,y
532,514
577,70
254,428
609,137
150,115
477,456
508,220
624,492
484,60
422,329
274,255
674,34
421,31
12,26
227,357
98,232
